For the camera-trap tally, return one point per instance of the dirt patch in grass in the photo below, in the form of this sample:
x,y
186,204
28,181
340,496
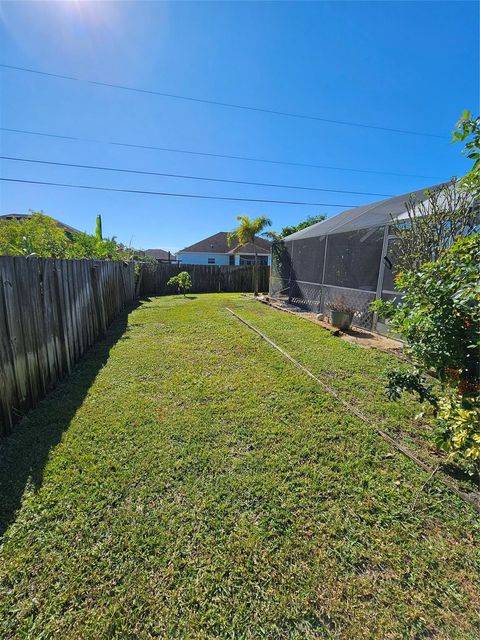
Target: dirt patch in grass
x,y
355,335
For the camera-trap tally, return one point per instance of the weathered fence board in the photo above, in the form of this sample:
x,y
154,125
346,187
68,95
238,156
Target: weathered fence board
x,y
205,278
51,311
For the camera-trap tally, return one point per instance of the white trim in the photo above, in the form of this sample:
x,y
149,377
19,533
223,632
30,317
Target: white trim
x,y
336,286
317,284
333,286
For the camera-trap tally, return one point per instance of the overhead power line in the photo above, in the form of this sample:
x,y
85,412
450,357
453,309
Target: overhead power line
x,y
215,155
188,177
176,195
218,103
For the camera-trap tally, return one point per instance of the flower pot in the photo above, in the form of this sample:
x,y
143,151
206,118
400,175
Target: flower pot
x,y
342,319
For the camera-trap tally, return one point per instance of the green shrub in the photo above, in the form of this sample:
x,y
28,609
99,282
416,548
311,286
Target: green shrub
x,y
413,381
439,314
39,235
458,431
438,317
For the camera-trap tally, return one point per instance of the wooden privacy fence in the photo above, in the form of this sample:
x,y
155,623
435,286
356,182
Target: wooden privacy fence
x,y
51,311
205,278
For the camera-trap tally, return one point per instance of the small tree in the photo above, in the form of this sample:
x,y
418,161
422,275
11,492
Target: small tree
x,y
247,232
182,281
432,225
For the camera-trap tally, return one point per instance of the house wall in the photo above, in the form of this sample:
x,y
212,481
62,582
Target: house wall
x,y
202,258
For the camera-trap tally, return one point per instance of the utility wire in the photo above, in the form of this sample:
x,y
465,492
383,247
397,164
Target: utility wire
x,y
214,155
187,177
218,103
176,195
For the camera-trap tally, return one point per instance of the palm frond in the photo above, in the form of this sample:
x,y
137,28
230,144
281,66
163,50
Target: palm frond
x,y
231,237
260,223
274,236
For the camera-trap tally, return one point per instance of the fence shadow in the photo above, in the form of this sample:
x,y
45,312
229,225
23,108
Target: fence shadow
x,y
24,453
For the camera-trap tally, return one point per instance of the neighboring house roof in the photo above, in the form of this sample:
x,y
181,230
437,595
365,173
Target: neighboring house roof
x,y
159,254
23,216
218,244
261,245
367,215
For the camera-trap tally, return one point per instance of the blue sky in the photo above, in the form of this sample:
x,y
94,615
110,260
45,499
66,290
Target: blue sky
x,y
402,65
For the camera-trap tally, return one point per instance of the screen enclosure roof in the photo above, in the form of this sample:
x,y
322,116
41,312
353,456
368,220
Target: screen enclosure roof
x,y
375,214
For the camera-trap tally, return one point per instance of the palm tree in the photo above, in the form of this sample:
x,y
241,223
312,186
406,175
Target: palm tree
x,y
246,232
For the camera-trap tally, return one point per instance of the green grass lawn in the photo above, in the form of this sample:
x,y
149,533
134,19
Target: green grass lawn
x,y
188,482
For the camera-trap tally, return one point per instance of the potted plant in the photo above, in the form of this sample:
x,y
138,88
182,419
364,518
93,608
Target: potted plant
x,y
342,314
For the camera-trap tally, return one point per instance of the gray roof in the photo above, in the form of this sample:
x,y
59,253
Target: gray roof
x,y
218,243
374,214
261,246
24,216
159,254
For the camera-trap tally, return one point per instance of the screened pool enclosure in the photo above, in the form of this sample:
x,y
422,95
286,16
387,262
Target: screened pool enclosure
x,y
345,260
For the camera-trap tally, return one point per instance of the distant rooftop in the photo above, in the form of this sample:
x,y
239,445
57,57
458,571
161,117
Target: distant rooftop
x,y
159,254
24,216
218,244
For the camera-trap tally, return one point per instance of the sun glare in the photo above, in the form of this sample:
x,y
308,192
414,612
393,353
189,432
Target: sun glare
x,y
70,21
91,12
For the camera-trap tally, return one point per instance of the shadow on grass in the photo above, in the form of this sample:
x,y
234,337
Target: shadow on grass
x,y
24,453
359,334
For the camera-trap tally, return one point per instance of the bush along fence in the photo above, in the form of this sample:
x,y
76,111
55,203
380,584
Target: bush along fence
x,y
52,311
205,278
